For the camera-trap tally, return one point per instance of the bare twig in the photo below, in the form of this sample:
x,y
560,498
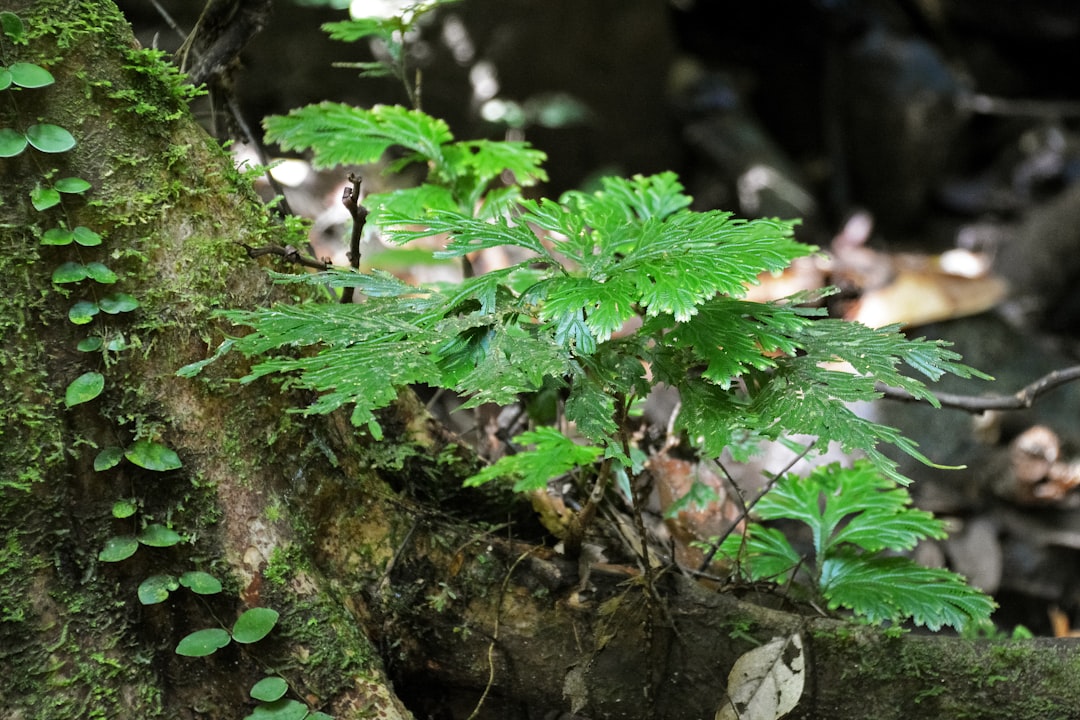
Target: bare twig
x,y
1020,400
288,252
714,547
350,198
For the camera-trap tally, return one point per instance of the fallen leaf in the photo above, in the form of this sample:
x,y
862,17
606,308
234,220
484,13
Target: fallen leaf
x,y
767,682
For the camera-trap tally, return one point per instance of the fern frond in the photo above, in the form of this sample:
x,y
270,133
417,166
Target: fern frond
x,y
339,134
552,455
882,589
761,554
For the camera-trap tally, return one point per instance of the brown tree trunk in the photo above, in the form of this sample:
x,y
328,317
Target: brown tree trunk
x,y
295,513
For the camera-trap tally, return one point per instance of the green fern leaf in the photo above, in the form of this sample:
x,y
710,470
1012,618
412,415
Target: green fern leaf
x,y
591,410
761,554
366,352
855,505
339,134
552,456
884,589
487,160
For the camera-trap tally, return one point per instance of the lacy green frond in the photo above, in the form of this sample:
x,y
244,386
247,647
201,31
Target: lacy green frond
x,y
856,505
552,455
894,589
365,352
339,134
487,160
855,517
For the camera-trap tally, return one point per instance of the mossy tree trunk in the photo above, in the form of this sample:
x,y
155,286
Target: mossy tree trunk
x,y
298,514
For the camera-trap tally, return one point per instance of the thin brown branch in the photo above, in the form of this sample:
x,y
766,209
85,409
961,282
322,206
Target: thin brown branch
x,y
1020,400
288,252
350,198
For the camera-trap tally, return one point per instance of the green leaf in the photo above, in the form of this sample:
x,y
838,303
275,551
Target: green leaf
x,y
43,198
84,388
592,410
12,143
117,344
894,588
109,457
124,509
100,273
203,642
86,237
156,535
50,138
118,548
29,75
90,344
12,25
283,709
341,134
118,303
269,689
69,272
359,28
762,554
553,455
72,185
408,202
5,78
83,312
254,625
380,349
200,582
192,369
57,236
153,456
156,589
488,159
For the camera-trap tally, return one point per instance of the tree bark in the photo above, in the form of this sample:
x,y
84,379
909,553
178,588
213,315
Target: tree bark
x,y
379,564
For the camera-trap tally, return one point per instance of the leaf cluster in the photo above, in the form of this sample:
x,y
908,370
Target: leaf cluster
x,y
610,293
858,520
593,263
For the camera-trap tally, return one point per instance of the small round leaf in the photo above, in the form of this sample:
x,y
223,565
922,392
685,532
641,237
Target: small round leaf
x,y
100,273
84,388
50,138
118,548
12,25
124,509
254,625
156,535
269,689
200,582
117,344
72,185
11,143
44,198
118,303
86,237
156,588
90,344
57,236
69,272
283,709
29,75
108,458
203,642
82,312
5,78
153,456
